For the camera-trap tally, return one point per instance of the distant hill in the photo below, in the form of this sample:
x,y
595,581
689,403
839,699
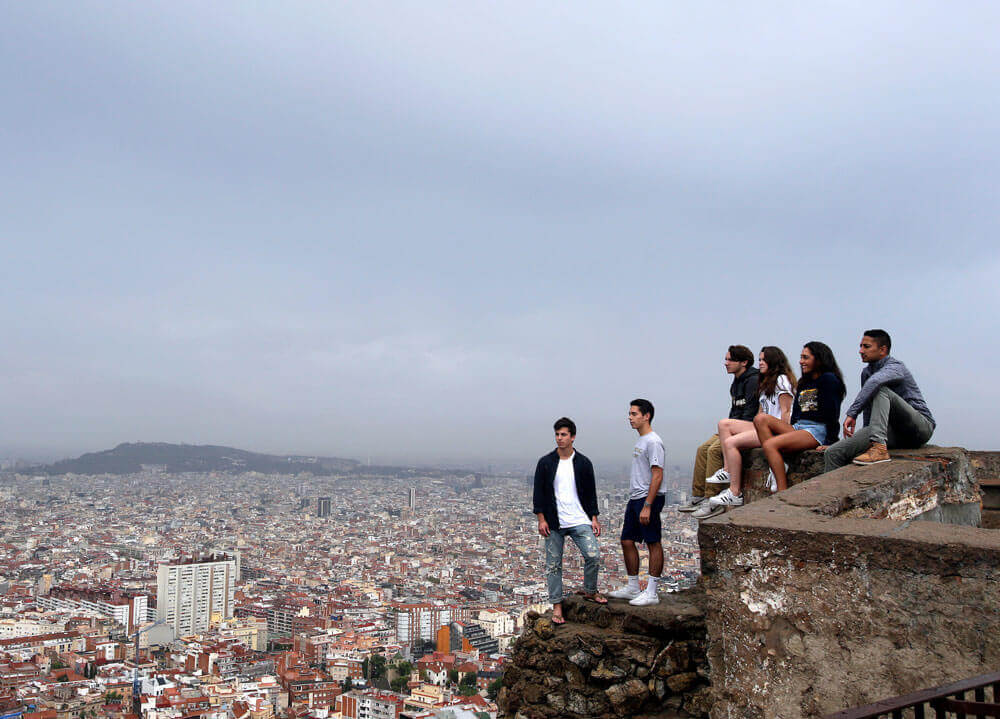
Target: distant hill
x,y
132,457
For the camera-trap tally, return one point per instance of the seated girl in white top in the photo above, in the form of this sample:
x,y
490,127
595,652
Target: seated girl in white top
x,y
777,388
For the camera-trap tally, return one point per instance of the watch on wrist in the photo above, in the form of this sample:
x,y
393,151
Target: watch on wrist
x,y
648,504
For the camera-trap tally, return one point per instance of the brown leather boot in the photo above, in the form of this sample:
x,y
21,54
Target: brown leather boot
x,y
876,453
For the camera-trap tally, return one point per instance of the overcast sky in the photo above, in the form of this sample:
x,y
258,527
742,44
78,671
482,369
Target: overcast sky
x,y
423,231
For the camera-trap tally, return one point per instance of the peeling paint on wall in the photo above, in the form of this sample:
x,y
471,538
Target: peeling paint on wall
x,y
910,507
757,597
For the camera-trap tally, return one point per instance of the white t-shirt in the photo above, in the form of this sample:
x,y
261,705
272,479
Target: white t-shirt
x,y
568,505
769,403
647,453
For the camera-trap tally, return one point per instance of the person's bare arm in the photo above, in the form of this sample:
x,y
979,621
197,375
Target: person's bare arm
x,y
785,403
654,488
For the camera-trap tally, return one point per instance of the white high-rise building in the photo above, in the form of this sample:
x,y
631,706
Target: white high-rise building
x,y
419,622
190,591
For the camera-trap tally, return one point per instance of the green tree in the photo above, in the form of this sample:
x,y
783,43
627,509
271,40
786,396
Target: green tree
x,y
494,688
376,664
347,685
468,680
112,697
466,691
404,668
398,683
453,676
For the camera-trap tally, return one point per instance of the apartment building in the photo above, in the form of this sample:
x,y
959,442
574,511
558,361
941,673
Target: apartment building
x,y
419,622
190,591
128,609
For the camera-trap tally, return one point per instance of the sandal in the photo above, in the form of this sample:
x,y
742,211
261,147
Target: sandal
x,y
596,598
558,620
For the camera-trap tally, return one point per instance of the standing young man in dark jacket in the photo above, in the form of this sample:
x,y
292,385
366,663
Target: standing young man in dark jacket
x,y
744,402
895,412
565,501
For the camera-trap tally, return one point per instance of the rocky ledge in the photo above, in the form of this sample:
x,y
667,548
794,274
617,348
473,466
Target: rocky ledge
x,y
611,661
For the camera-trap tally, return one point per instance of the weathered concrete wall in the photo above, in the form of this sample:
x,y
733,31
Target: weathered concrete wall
x,y
801,466
829,595
611,661
986,466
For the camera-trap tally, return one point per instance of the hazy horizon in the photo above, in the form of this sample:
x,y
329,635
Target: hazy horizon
x,y
421,233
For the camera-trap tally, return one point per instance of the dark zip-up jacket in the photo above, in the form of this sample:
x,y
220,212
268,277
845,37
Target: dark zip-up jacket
x,y
544,498
745,395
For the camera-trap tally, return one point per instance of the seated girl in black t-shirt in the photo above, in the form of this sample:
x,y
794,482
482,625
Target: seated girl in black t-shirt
x,y
815,417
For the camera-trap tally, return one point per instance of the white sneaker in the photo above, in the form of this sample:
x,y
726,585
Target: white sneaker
x,y
772,481
720,477
624,593
720,498
692,504
645,599
708,510
726,499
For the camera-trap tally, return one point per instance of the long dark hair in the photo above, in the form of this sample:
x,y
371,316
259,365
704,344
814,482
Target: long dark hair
x,y
777,365
825,362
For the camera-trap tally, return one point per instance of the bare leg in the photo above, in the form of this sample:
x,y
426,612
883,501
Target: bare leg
x,y
655,559
727,429
797,440
631,557
743,440
768,426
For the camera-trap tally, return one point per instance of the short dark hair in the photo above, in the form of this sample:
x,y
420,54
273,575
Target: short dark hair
x,y
881,338
739,353
567,423
644,406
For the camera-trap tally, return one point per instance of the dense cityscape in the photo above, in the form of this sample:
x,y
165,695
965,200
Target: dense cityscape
x,y
253,595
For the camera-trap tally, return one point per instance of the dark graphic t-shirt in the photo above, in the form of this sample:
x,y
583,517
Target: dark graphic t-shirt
x,y
818,400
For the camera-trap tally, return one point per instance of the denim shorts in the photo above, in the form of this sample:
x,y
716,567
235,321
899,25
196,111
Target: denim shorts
x,y
816,429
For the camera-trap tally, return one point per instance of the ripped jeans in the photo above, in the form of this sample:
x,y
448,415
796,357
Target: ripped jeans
x,y
584,538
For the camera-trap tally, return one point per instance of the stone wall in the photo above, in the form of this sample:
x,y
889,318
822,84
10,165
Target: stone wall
x,y
830,595
611,661
986,466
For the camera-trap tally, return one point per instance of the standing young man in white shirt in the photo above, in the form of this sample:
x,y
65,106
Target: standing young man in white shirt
x,y
642,514
565,501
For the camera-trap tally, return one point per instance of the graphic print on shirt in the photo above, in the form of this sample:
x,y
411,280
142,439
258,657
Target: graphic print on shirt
x,y
809,400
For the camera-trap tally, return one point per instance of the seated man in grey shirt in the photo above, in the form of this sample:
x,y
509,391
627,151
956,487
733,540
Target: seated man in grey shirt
x,y
895,412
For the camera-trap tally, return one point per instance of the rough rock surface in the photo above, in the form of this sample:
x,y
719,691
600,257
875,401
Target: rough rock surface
x,y
611,661
829,595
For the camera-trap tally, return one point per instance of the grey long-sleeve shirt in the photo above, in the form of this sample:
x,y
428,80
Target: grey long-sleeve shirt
x,y
888,372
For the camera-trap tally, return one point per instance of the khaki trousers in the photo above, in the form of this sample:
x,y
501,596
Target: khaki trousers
x,y
707,461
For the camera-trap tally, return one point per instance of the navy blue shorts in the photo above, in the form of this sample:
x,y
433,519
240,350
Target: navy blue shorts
x,y
632,529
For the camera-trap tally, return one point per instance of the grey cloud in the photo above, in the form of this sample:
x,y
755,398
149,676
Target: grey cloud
x,y
424,231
